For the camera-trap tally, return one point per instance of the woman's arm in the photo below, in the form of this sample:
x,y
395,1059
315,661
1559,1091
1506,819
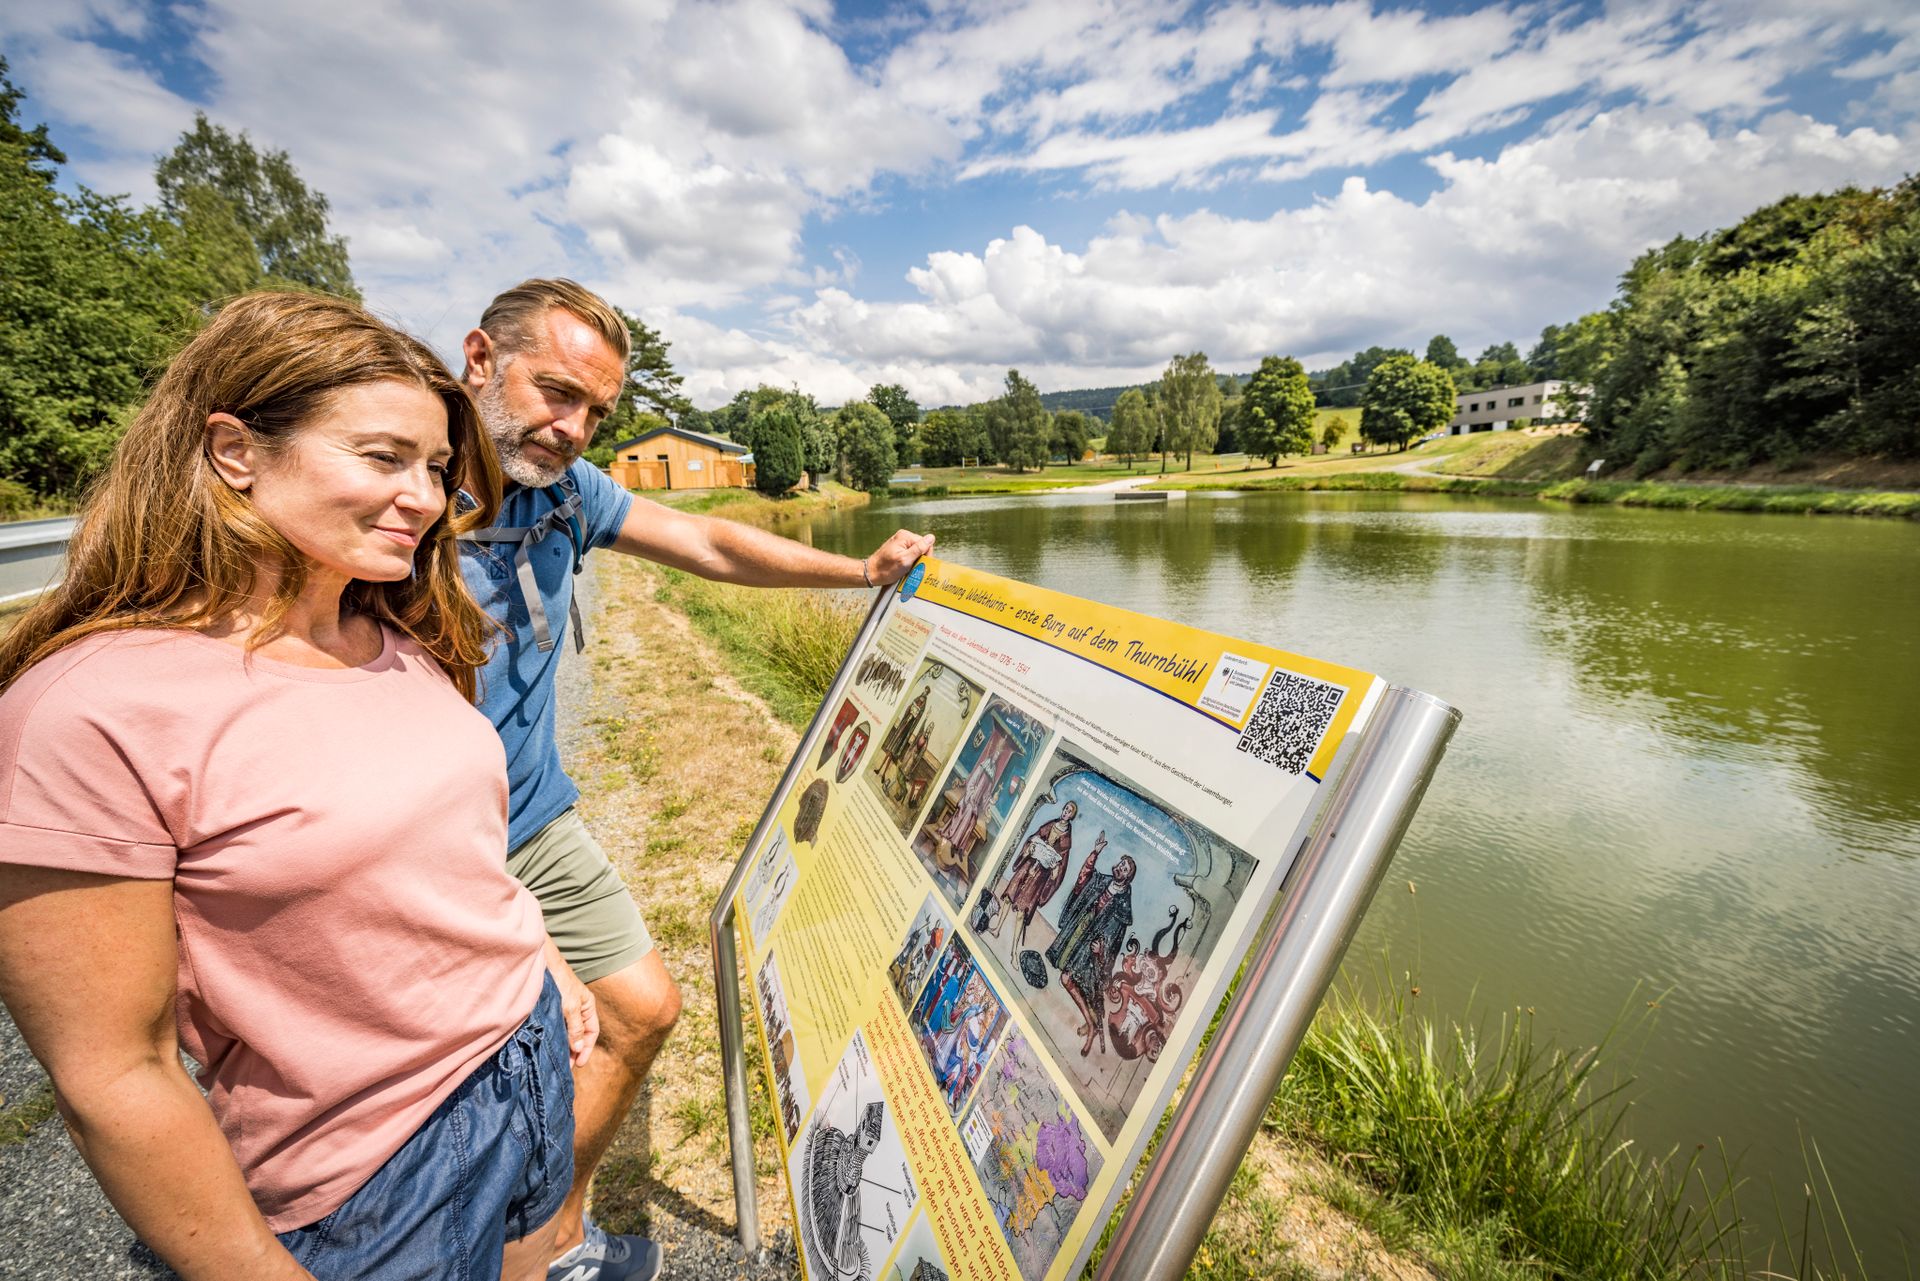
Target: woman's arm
x,y
88,969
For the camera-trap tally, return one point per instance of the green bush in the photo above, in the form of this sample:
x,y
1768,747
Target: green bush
x,y
16,500
779,457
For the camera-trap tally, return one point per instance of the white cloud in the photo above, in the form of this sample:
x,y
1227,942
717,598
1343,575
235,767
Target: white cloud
x,y
1506,245
693,155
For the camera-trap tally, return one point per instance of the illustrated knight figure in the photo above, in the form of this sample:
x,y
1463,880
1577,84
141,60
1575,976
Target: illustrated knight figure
x,y
894,748
1093,926
835,1162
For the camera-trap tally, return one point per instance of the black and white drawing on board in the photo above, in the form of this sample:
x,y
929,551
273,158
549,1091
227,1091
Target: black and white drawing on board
x,y
775,886
772,856
919,1258
789,1077
1099,915
852,1187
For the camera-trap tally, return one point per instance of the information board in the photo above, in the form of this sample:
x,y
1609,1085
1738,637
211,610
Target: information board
x,y
1023,854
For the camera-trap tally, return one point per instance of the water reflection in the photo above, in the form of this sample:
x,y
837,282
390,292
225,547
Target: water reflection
x,y
1691,761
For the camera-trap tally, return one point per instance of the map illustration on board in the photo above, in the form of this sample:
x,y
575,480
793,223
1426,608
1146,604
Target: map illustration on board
x,y
1034,1161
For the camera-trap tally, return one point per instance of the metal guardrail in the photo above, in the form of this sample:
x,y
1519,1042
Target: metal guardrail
x,y
33,556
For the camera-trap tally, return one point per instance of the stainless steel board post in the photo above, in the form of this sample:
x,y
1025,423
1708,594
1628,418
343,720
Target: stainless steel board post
x,y
726,959
1292,964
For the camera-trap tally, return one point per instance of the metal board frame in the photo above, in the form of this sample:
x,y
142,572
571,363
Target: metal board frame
x,y
1352,831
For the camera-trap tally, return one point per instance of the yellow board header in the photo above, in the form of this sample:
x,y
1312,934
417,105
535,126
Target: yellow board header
x,y
1217,676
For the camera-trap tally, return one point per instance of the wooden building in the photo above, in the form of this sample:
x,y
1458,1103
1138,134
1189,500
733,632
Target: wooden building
x,y
673,458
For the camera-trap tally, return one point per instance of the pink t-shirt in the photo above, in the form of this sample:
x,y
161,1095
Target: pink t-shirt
x,y
352,946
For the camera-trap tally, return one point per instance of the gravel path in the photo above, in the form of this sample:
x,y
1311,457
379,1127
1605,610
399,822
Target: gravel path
x,y
55,1223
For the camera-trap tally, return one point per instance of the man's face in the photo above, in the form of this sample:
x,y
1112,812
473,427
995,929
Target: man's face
x,y
544,400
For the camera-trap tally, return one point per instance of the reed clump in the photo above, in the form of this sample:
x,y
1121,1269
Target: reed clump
x,y
1504,1155
1494,1143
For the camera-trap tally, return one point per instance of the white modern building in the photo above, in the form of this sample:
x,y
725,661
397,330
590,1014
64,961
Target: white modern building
x,y
1497,408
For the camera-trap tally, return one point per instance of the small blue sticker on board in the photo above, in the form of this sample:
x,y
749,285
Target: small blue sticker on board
x,y
911,583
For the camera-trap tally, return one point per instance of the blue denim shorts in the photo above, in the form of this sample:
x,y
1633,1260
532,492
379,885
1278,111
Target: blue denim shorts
x,y
490,1165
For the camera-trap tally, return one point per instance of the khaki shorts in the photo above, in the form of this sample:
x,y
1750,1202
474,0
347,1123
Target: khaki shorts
x,y
589,911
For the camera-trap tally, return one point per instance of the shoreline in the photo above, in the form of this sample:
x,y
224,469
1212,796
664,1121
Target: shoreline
x,y
1807,500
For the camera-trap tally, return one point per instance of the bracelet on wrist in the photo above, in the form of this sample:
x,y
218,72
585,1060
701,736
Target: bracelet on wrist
x,y
865,574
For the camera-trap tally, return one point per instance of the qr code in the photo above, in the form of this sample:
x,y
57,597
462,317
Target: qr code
x,y
1290,720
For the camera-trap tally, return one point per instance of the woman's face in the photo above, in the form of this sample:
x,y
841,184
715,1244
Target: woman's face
x,y
357,487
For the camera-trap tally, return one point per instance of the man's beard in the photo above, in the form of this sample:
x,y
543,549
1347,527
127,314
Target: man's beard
x,y
510,439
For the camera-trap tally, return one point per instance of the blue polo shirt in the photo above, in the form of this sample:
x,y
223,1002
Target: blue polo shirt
x,y
516,685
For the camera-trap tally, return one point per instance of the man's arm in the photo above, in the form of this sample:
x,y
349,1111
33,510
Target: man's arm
x,y
734,553
88,968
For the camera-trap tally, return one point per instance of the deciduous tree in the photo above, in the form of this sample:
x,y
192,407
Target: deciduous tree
x,y
1442,352
1277,413
1189,405
284,219
902,411
866,442
1133,429
1071,432
1405,398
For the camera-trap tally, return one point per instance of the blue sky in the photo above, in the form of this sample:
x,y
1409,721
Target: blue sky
x,y
831,196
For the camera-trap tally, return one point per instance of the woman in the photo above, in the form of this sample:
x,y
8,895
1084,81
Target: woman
x,y
245,801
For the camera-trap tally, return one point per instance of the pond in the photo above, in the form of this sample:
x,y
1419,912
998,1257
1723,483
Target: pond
x,y
1689,772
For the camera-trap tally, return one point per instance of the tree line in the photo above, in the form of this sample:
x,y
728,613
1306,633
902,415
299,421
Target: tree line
x,y
98,293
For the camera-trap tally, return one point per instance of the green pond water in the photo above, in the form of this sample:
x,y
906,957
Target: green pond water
x,y
1689,768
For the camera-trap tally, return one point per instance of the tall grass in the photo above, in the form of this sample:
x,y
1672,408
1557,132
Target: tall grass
x,y
785,645
1499,1148
1794,499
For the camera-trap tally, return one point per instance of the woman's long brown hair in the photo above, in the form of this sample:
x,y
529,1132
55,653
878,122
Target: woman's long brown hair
x,y
162,541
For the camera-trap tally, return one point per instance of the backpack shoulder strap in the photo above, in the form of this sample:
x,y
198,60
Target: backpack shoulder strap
x,y
564,514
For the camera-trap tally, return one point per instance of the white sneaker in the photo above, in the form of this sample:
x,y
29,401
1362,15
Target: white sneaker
x,y
604,1256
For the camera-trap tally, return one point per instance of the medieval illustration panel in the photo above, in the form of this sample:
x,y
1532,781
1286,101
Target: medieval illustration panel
x,y
920,739
925,937
1099,916
830,741
957,1021
971,806
791,1098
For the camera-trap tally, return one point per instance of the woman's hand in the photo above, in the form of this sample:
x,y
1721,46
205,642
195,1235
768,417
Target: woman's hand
x,y
577,1004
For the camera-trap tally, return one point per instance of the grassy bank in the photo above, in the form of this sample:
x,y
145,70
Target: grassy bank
x,y
1789,499
751,507
939,482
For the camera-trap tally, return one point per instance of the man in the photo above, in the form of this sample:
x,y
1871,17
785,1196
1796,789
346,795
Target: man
x,y
547,364
1093,926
